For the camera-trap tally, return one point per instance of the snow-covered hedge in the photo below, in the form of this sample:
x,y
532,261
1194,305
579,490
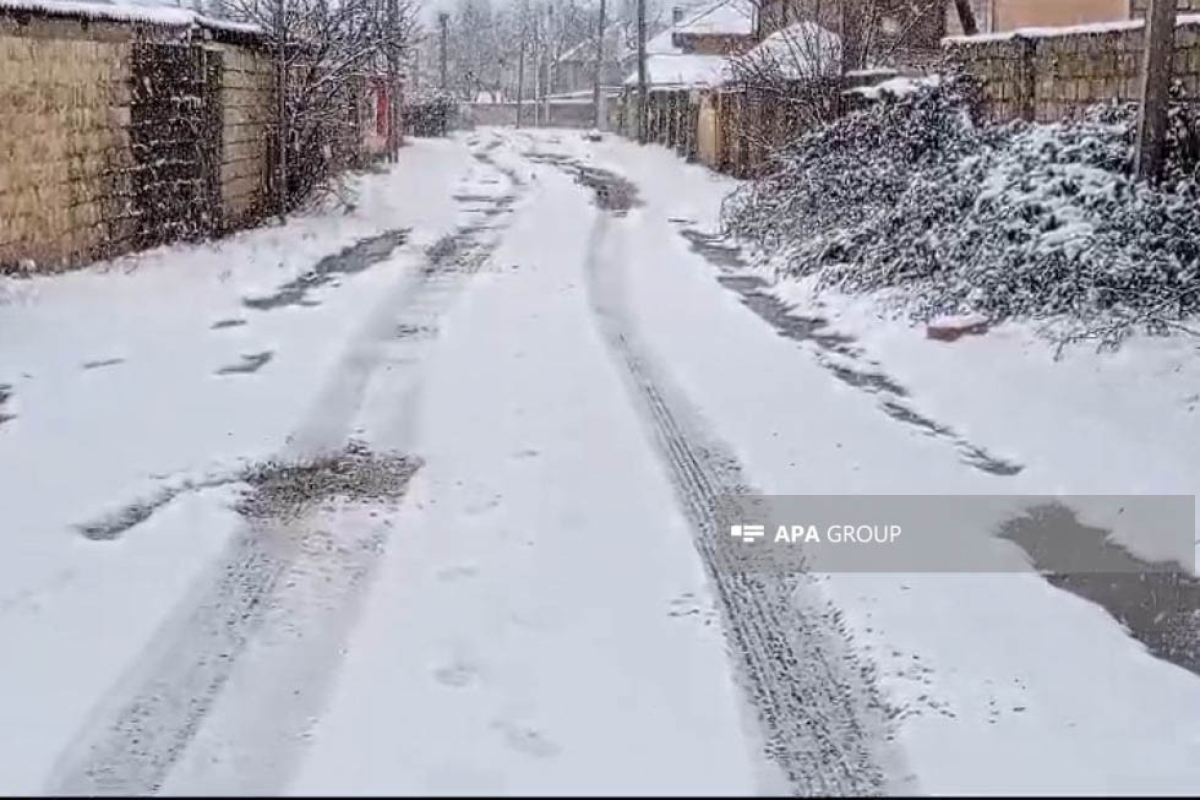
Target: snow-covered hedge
x,y
1034,221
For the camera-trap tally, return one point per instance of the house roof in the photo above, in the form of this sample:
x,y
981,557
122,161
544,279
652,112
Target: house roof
x,y
679,71
150,13
801,50
725,18
586,49
728,17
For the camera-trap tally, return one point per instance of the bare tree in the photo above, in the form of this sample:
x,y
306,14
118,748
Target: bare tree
x,y
325,52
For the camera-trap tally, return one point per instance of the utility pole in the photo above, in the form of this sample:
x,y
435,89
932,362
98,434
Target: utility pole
x,y
443,22
599,69
537,71
393,88
1156,84
641,72
552,36
281,90
966,17
521,67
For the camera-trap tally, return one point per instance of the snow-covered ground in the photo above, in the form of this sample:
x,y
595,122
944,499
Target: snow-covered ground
x,y
537,617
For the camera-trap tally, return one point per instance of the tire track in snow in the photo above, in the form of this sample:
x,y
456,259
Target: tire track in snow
x,y
821,720
270,616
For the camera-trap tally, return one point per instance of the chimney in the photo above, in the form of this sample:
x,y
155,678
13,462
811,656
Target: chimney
x,y
676,15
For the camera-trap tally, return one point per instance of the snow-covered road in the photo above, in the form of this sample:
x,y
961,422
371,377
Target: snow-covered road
x,y
571,368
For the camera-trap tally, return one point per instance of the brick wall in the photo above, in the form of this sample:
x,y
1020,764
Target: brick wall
x,y
119,136
1048,77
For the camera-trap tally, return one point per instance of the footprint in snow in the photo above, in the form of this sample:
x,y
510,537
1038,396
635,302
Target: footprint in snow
x,y
457,675
527,740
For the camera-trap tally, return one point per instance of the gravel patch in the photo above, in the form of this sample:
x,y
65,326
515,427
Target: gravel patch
x,y
284,490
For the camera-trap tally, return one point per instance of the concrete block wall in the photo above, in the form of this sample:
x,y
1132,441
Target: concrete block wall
x,y
246,93
116,136
64,141
1046,77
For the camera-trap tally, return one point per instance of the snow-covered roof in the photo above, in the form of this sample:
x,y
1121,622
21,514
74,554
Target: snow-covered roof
x,y
147,13
895,87
802,50
678,71
1115,26
726,18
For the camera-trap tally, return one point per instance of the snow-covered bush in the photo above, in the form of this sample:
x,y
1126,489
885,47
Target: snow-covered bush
x,y
1033,221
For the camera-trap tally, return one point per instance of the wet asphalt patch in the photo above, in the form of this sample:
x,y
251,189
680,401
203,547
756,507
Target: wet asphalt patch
x,y
352,260
612,192
836,352
6,392
222,324
113,525
276,489
251,363
1157,605
108,362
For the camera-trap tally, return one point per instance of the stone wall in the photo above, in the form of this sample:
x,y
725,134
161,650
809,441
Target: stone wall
x,y
246,111
1046,76
117,136
64,140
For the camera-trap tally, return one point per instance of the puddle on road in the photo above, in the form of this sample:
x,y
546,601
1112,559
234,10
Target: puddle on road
x,y
1158,604
613,192
832,346
473,198
714,249
352,260
6,392
108,362
251,362
221,324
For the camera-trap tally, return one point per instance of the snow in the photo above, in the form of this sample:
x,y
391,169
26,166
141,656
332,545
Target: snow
x,y
1115,26
801,50
523,642
958,321
153,14
87,440
1006,684
894,87
729,17
666,71
539,621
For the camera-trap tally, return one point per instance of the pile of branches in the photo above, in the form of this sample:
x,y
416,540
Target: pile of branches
x,y
323,57
1027,221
